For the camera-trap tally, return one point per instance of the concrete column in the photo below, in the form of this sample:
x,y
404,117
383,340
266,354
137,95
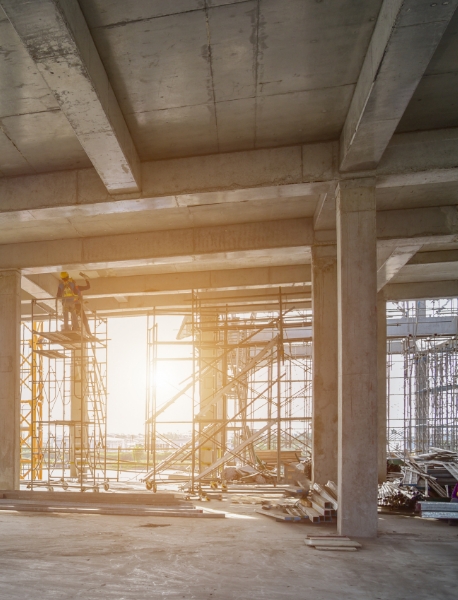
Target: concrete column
x,y
324,304
381,386
357,358
10,403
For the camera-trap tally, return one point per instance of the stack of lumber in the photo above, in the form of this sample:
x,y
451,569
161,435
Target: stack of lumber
x,y
335,543
140,504
439,510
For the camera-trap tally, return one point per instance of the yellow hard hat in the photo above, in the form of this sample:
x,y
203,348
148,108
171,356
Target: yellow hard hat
x,y
64,275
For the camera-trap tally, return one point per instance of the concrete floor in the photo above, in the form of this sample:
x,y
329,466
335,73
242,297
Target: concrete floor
x,y
245,556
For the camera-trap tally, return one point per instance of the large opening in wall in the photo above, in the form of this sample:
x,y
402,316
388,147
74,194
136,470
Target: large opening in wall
x,y
422,376
175,396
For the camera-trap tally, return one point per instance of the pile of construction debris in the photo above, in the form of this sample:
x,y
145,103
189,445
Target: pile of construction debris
x,y
423,476
392,495
317,506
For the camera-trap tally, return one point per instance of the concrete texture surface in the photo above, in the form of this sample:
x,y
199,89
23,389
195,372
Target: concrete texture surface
x,y
245,556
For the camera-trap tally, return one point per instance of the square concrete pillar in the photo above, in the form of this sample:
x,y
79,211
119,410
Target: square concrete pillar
x,y
357,358
10,324
382,399
324,416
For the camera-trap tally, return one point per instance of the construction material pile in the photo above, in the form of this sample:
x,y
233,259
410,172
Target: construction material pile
x,y
391,494
319,505
439,510
435,473
138,505
430,475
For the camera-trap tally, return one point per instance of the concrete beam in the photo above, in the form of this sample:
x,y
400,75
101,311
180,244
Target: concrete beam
x,y
324,217
418,158
181,245
40,293
417,226
436,257
227,280
58,40
426,290
405,37
307,171
403,227
254,300
394,263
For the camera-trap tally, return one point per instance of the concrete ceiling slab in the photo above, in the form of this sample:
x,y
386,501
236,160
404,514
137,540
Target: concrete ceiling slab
x,y
158,64
434,104
312,45
22,89
233,31
102,13
46,141
236,124
301,117
175,132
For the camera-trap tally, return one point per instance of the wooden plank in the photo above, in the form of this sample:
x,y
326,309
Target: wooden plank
x,y
90,497
325,512
331,488
107,511
325,494
335,548
278,516
320,500
334,543
312,514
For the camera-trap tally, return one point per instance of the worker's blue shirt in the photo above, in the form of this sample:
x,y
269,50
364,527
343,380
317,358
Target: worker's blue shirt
x,y
70,292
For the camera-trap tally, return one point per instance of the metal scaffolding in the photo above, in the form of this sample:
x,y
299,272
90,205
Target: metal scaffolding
x,y
63,401
423,377
248,399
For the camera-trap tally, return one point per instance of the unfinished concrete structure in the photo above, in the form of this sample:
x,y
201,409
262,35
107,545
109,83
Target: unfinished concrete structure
x,y
225,146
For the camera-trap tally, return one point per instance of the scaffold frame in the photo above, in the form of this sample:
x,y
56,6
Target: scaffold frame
x,y
63,400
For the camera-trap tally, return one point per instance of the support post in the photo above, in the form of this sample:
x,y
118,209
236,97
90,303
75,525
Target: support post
x,y
381,387
324,415
10,407
357,357
79,415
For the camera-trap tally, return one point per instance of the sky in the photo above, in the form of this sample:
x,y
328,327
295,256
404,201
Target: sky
x,y
127,379
126,375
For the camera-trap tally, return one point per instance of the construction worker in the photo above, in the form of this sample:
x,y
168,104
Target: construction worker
x,y
72,301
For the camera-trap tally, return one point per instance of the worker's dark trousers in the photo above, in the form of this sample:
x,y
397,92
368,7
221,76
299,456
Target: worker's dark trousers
x,y
76,311
70,309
